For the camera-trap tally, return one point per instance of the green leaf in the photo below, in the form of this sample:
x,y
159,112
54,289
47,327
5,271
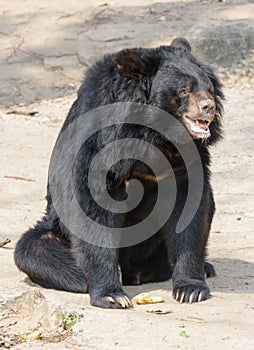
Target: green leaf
x,y
184,334
68,320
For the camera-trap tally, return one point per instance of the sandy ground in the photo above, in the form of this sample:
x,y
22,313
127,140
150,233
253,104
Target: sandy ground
x,y
224,321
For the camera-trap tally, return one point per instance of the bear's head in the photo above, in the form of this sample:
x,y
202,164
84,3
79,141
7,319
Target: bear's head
x,y
176,82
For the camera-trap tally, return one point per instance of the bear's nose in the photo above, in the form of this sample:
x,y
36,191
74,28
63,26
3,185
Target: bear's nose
x,y
207,107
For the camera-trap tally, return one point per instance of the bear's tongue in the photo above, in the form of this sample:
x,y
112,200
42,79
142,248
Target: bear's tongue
x,y
198,125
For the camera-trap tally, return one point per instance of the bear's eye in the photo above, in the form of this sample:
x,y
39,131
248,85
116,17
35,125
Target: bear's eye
x,y
184,92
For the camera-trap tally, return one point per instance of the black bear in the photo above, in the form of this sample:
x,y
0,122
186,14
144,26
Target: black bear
x,y
170,79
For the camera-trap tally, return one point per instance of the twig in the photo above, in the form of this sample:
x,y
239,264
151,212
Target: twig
x,y
4,242
21,112
18,178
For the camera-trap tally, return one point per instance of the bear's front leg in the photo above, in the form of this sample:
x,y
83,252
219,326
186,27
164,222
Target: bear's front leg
x,y
186,254
101,269
189,284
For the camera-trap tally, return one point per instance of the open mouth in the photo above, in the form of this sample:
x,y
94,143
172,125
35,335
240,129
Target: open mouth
x,y
198,126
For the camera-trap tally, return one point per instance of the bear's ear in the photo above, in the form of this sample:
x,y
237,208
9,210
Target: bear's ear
x,y
181,43
129,64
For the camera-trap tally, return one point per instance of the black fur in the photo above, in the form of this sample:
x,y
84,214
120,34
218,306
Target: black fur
x,y
168,77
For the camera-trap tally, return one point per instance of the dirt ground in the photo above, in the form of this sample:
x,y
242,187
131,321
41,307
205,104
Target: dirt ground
x,y
41,66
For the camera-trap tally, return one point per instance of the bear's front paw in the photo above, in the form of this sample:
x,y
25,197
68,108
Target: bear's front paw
x,y
112,301
190,291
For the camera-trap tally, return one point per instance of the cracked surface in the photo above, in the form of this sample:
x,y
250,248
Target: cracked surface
x,y
45,47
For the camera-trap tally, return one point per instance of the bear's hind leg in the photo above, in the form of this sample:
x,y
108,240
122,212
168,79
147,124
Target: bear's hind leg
x,y
47,260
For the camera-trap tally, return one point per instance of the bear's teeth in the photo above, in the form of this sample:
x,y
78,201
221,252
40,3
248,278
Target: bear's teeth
x,y
198,126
